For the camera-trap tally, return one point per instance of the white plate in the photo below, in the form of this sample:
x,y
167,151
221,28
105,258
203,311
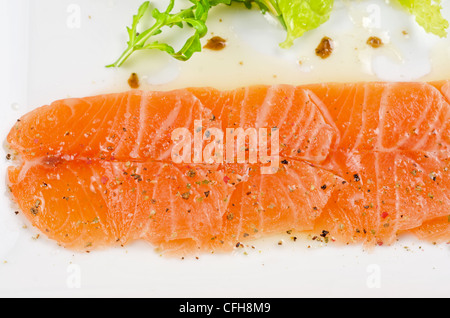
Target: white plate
x,y
58,48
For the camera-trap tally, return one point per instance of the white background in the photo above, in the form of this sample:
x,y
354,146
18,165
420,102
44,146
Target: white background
x,y
54,49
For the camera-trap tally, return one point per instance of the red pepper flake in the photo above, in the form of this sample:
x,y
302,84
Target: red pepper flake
x,y
104,180
379,243
384,215
226,179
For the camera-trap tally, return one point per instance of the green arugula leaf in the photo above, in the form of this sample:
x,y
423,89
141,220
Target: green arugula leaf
x,y
132,32
194,17
265,6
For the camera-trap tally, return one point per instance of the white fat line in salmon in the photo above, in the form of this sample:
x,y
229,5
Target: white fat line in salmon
x,y
232,141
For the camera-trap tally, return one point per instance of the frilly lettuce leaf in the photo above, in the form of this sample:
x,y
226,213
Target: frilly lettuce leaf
x,y
428,15
303,15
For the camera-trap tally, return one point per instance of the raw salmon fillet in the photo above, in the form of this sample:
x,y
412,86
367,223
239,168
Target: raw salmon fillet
x,y
361,162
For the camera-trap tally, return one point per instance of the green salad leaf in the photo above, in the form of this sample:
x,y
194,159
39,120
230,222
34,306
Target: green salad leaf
x,y
303,15
428,15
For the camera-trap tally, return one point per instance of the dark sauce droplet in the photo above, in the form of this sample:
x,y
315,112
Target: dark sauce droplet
x,y
374,42
325,48
133,81
216,43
